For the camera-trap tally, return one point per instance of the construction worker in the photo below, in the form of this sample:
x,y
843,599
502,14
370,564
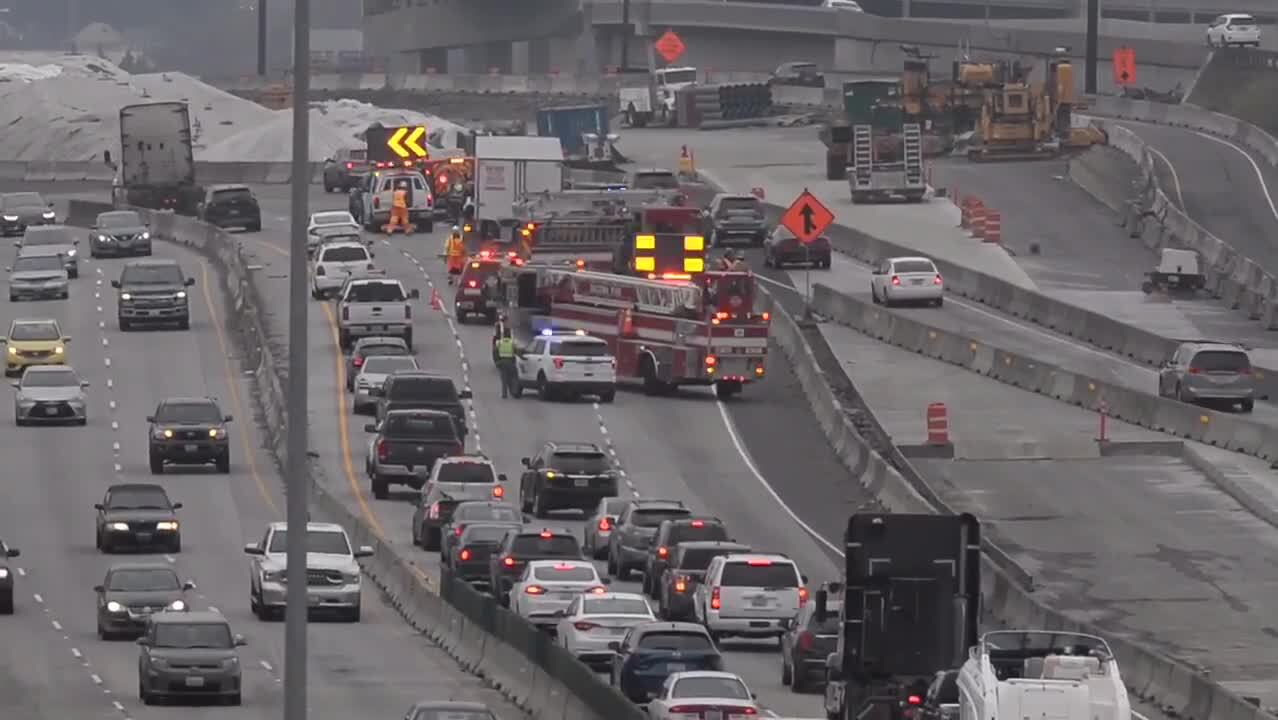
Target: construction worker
x,y
455,254
728,261
399,209
506,362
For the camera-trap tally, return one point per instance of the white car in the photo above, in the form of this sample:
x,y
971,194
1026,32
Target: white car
x,y
749,595
1233,29
331,219
907,280
335,263
372,373
592,621
547,587
567,364
717,694
848,5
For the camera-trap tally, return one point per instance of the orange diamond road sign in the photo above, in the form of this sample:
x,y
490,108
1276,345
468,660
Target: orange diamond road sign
x,y
669,46
807,218
1124,62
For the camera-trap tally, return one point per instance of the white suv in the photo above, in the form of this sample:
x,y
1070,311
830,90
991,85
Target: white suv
x,y
337,262
749,595
1233,29
569,364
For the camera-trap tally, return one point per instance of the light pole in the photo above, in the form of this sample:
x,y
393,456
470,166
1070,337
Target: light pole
x,y
261,38
297,480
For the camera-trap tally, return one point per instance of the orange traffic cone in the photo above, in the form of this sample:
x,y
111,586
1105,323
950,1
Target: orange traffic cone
x,y
435,304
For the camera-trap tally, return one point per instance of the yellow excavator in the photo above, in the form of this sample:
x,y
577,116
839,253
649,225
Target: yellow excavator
x,y
1022,120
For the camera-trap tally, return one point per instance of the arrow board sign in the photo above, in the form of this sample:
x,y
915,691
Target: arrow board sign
x,y
807,218
396,143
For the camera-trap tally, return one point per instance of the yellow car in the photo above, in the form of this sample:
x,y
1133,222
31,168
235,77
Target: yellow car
x,y
33,342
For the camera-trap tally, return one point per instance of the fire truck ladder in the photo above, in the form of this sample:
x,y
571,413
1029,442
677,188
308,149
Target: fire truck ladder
x,y
620,291
913,152
862,153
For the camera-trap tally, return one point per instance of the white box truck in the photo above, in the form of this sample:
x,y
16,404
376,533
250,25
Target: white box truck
x,y
508,169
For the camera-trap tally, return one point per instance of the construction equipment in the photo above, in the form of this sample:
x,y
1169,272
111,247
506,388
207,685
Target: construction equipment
x,y
1022,120
887,170
886,106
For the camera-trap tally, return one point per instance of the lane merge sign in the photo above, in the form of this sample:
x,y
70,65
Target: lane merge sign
x,y
807,217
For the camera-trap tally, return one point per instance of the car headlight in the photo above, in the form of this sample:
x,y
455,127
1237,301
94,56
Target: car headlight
x,y
114,607
26,404
166,434
71,253
13,350
159,662
146,236
166,525
181,295
57,350
119,526
104,238
4,573
273,576
125,296
49,215
177,606
217,433
351,578
11,218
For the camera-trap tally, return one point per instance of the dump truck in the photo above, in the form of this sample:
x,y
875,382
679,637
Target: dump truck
x,y
156,168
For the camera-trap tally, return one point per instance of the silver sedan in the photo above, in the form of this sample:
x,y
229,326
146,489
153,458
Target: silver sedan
x,y
37,276
372,375
49,394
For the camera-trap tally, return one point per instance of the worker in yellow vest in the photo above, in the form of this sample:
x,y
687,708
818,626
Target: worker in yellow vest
x,y
455,254
506,364
399,209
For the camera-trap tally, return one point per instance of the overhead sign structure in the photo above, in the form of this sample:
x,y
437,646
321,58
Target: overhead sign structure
x,y
1124,62
670,46
807,218
396,143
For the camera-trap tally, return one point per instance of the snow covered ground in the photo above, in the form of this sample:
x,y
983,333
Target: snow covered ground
x,y
58,107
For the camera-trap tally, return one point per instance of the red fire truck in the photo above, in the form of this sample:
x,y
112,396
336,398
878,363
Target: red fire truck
x,y
702,330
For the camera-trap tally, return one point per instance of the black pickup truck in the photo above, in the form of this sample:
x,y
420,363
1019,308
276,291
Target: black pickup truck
x,y
407,444
421,390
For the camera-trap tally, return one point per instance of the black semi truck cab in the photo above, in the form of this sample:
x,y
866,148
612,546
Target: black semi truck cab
x,y
911,607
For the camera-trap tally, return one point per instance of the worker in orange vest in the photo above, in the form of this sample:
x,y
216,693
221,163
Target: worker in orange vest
x,y
455,254
399,209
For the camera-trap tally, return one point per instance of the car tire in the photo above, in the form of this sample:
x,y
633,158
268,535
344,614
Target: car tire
x,y
608,397
19,421
623,571
541,507
125,325
612,562
408,340
184,323
1248,405
65,295
432,539
344,340
939,302
157,464
102,632
544,393
175,546
82,422
224,463
13,298
143,695
379,488
787,675
353,615
255,227
428,226
6,602
235,700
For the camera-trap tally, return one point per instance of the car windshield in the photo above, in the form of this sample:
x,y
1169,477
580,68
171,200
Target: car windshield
x,y
491,534
579,462
904,267
418,425
375,292
466,472
138,499
357,154
1221,361
580,348
656,180
710,687
50,378
565,573
481,511
705,531
615,506
680,76
424,388
38,263
48,235
770,575
554,545
26,200
194,635
122,219
655,516
614,606
675,641
151,275
346,253
387,364
143,580
324,542
698,558
232,195
332,218
367,351
35,331
193,413
429,714
1242,20
738,205
335,235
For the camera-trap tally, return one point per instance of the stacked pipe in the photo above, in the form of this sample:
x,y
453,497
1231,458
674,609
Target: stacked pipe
x,y
740,101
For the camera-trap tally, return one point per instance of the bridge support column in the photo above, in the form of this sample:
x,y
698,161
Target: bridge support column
x,y
531,57
479,59
433,58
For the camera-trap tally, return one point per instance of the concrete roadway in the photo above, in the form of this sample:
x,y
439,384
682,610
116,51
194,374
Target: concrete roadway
x,y
726,459
52,660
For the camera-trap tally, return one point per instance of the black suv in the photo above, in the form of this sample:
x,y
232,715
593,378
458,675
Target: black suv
x,y
230,206
669,534
153,292
561,476
518,548
188,431
635,532
421,390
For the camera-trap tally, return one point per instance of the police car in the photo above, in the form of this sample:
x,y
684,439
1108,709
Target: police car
x,y
568,364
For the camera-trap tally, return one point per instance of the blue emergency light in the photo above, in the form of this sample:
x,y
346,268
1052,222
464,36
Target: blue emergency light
x,y
548,332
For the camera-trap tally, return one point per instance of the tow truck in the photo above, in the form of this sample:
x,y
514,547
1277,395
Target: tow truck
x,y
668,321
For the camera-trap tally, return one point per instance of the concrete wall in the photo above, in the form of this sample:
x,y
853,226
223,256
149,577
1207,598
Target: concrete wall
x,y
408,25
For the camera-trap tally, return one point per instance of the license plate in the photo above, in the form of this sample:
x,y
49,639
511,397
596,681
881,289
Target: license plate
x,y
916,282
617,631
50,411
190,448
195,682
581,482
471,291
754,351
760,602
588,374
465,304
144,537
676,667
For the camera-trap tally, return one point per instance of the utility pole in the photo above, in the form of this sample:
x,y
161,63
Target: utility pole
x,y
261,38
297,480
626,31
1093,46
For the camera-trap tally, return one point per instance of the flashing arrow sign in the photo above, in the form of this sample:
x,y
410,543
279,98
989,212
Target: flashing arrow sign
x,y
403,142
807,218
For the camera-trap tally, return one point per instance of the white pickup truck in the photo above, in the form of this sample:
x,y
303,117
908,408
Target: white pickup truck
x,y
374,307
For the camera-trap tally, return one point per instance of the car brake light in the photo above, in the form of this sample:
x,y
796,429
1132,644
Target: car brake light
x,y
547,534
690,709
598,590
1244,371
581,264
803,596
766,316
936,280
1194,371
805,640
535,590
559,363
759,563
715,604
896,279
565,566
604,524
498,491
377,202
358,362
698,523
663,552
371,266
584,626
472,283
464,555
914,700
383,452
508,561
434,511
681,585
458,530
743,711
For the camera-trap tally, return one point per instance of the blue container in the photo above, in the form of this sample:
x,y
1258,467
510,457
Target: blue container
x,y
570,123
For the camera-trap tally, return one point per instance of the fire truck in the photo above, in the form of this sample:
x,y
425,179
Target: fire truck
x,y
665,328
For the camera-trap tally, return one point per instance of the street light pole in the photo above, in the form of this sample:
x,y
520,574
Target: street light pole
x,y
261,38
297,480
626,30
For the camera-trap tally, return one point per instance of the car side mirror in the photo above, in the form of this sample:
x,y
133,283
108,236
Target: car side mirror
x,y
606,581
75,242
328,160
525,462
820,613
465,395
177,506
99,588
501,477
364,551
371,254
190,282
150,418
370,427
615,646
8,268
13,552
804,578
240,641
17,243
144,641
228,418
253,549
99,506
188,585
414,293
66,339
84,383
115,284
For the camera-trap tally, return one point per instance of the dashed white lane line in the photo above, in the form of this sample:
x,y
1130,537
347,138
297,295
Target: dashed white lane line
x,y
76,652
170,559
22,572
115,425
97,680
107,361
612,451
37,598
266,666
56,625
213,609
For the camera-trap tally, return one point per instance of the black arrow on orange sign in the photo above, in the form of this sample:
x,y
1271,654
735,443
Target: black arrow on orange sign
x,y
807,212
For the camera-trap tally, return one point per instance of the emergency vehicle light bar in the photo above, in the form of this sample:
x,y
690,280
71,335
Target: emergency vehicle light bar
x,y
550,332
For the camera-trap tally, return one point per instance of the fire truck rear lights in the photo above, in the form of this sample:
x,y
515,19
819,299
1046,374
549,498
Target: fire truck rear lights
x,y
474,266
721,316
456,161
694,243
914,700
472,283
466,228
646,264
581,264
509,253
711,360
694,265
759,371
675,276
645,242
508,561
350,166
526,232
766,316
581,332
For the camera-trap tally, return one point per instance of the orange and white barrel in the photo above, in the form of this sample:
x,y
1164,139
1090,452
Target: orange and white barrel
x,y
976,222
993,227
